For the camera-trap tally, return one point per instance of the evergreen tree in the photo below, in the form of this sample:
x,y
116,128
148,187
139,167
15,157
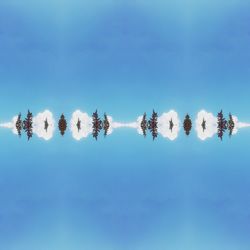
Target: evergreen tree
x,y
62,124
153,125
106,124
144,124
187,124
28,125
221,124
230,124
96,125
19,124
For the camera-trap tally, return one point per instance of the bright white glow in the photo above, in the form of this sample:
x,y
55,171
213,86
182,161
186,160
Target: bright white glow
x,y
39,125
139,121
135,125
243,125
124,125
211,125
238,125
11,125
164,125
85,125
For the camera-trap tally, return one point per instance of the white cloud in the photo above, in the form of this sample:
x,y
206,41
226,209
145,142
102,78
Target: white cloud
x,y
39,125
139,129
86,125
211,125
164,125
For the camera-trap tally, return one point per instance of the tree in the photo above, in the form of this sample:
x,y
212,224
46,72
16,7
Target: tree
x,y
204,125
96,125
46,125
78,125
153,125
230,124
144,124
171,125
187,124
19,125
62,125
106,124
221,124
28,125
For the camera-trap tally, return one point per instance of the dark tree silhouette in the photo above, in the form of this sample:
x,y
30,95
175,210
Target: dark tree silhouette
x,y
78,125
187,125
221,124
62,124
144,124
230,124
106,124
28,125
96,125
153,125
204,125
19,125
46,125
171,125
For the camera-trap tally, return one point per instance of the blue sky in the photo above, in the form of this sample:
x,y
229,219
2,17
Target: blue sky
x,y
124,192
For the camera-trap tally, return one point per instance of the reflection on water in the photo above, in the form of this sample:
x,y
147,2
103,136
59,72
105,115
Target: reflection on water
x,y
167,125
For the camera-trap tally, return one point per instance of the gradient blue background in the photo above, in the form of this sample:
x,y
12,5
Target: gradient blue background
x,y
124,192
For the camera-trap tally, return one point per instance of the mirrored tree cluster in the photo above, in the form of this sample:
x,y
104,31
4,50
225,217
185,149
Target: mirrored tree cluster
x,y
26,125
153,125
150,125
96,125
223,124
